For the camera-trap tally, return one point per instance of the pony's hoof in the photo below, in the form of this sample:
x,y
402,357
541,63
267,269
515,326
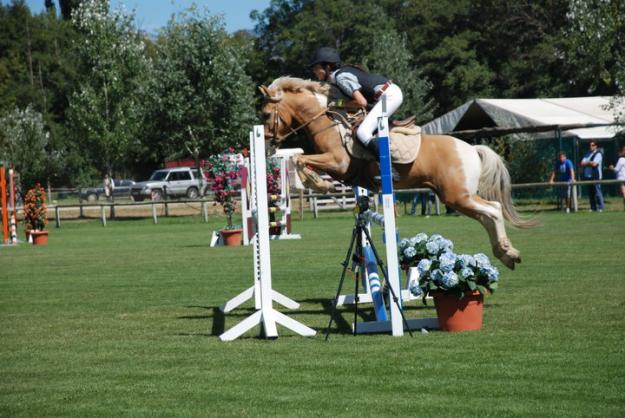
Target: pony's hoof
x,y
510,260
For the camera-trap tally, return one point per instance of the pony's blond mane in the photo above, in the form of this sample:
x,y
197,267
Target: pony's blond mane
x,y
296,85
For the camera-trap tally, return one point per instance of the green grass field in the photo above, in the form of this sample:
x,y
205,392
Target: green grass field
x,y
122,321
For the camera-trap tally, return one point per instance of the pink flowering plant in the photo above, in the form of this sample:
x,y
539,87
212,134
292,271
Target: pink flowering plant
x,y
223,171
273,176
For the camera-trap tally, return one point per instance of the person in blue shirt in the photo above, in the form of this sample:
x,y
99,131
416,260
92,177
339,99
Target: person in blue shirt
x,y
593,171
564,171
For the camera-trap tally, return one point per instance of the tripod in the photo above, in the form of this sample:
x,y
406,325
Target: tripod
x,y
361,237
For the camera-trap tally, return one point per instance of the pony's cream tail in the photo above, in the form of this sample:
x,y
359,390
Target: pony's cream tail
x,y
495,184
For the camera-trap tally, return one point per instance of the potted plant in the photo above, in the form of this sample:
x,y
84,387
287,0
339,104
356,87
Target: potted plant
x,y
457,282
273,188
36,215
223,171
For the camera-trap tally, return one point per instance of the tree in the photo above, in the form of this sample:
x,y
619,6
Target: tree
x,y
202,101
289,31
24,143
107,110
596,48
391,57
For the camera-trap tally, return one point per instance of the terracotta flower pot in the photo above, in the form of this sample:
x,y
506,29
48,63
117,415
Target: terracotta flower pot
x,y
232,237
456,314
39,237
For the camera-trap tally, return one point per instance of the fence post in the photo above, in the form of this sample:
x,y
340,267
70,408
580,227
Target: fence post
x,y
57,215
574,193
154,217
301,205
438,203
205,211
103,215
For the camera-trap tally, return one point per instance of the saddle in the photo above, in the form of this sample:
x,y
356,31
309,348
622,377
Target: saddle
x,y
405,136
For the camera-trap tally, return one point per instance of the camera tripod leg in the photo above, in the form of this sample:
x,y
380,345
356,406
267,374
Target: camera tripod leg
x,y
338,291
384,271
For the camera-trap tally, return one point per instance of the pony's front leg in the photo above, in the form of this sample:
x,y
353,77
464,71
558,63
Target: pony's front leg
x,y
306,166
327,162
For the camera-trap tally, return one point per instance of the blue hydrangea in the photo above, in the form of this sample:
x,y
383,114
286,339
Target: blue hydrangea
x,y
420,237
404,243
424,266
445,244
481,260
435,237
437,276
491,273
447,261
466,272
410,252
432,247
414,288
466,260
450,279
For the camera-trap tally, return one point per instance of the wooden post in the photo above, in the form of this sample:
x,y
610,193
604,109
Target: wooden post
x,y
574,197
57,216
103,215
154,217
205,211
166,209
301,205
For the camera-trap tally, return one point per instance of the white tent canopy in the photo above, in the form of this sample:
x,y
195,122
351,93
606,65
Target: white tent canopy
x,y
520,113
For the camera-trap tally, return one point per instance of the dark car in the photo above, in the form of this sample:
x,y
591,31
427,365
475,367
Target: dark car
x,y
121,188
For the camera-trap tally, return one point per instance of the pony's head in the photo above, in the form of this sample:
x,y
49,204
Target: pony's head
x,y
288,101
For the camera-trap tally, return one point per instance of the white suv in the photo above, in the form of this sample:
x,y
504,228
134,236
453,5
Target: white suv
x,y
170,182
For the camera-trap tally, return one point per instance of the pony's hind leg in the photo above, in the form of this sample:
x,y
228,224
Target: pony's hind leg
x,y
489,214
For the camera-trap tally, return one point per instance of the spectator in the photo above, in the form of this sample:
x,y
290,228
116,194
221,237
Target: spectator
x,y
563,169
591,164
108,187
619,170
426,199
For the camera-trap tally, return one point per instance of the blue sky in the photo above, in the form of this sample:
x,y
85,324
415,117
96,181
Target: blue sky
x,y
153,14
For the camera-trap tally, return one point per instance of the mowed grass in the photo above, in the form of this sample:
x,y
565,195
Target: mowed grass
x,y
122,321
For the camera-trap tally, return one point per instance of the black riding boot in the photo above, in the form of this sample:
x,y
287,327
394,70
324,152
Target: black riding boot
x,y
374,147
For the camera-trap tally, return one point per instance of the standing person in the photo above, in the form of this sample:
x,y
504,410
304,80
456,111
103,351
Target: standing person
x,y
108,187
362,87
591,164
563,168
619,170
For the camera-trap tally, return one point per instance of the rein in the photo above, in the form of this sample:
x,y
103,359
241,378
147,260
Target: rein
x,y
276,139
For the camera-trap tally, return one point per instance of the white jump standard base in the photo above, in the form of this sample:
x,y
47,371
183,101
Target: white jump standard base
x,y
262,291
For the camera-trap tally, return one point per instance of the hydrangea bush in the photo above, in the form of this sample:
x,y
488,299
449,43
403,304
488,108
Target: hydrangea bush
x,y
441,269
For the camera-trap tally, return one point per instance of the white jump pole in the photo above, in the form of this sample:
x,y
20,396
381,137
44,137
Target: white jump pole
x,y
265,315
249,208
392,261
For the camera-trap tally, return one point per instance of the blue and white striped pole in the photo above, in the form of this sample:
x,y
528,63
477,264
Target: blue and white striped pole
x,y
392,261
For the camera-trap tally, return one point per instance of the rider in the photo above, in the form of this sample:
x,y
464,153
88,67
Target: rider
x,y
364,88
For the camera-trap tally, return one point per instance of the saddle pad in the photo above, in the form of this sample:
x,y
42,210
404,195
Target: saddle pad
x,y
405,143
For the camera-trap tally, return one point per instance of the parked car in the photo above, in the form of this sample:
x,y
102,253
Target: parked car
x,y
170,182
121,188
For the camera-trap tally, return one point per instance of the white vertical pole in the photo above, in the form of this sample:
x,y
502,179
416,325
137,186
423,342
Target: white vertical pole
x,y
392,261
262,231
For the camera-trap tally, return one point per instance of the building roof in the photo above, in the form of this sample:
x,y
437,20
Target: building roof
x,y
527,113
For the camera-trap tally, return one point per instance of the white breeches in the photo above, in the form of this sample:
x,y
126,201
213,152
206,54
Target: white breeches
x,y
394,99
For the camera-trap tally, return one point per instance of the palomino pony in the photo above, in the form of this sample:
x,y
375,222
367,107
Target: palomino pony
x,y
473,179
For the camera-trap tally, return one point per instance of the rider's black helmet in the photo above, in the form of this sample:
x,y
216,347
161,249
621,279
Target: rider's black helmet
x,y
326,54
